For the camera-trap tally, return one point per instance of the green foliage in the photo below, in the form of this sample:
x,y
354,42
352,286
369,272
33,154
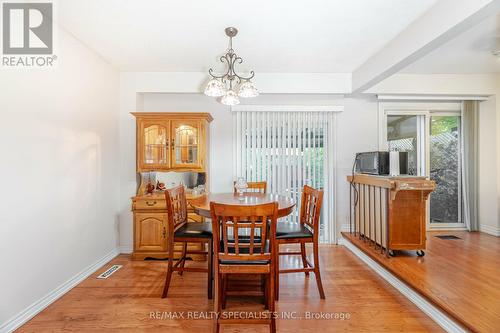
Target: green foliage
x,y
444,163
444,124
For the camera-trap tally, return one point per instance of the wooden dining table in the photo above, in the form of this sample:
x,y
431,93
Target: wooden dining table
x,y
202,205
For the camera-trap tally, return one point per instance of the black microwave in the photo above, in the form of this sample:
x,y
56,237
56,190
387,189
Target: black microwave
x,y
377,163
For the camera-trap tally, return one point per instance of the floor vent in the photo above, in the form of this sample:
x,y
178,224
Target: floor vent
x,y
448,237
110,271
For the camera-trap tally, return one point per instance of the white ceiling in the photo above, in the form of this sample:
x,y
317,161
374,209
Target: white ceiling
x,y
280,36
468,53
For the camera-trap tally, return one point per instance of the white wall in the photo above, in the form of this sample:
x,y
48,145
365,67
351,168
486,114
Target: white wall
x,y
498,153
59,144
489,166
356,131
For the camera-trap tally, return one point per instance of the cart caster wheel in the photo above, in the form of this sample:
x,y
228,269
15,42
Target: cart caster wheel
x,y
420,253
392,253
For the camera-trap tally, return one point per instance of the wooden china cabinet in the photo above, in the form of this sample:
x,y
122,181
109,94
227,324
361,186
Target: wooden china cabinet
x,y
167,144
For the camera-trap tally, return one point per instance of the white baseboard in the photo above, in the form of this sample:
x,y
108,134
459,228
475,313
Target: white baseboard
x,y
32,310
445,228
489,229
447,323
126,249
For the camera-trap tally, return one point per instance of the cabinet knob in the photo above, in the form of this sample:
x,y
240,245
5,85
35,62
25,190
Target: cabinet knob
x,y
164,233
150,203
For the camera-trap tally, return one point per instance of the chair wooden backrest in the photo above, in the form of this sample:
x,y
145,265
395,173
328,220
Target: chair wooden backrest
x,y
254,187
176,207
229,220
310,208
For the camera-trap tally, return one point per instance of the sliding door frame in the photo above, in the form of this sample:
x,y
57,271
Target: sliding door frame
x,y
425,110
449,225
329,164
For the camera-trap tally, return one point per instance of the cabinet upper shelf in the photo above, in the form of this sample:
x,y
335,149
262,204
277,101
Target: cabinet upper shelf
x,y
171,141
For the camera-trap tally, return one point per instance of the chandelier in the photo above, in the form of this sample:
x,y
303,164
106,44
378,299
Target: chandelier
x,y
230,86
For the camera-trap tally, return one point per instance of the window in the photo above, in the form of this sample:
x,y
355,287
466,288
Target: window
x,y
289,150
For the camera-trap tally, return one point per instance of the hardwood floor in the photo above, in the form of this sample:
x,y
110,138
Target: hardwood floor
x,y
129,299
461,276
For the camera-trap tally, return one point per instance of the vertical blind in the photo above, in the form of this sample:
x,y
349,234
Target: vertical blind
x,y
289,150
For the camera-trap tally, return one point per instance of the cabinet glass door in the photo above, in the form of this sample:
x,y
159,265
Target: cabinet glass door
x,y
155,150
185,144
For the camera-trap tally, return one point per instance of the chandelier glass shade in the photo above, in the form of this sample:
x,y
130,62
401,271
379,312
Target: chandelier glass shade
x,y
229,86
230,98
247,89
215,88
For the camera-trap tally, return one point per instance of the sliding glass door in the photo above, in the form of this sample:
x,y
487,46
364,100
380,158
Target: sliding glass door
x,y
433,142
404,134
289,149
445,169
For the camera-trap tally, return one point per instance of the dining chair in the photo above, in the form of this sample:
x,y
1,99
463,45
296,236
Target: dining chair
x,y
260,187
306,231
251,253
182,231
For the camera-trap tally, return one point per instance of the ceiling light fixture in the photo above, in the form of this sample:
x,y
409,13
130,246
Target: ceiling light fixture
x,y
224,86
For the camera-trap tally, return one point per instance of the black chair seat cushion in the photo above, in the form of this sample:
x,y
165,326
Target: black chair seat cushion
x,y
287,230
194,230
256,250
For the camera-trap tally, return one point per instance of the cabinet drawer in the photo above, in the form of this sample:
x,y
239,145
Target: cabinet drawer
x,y
150,204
